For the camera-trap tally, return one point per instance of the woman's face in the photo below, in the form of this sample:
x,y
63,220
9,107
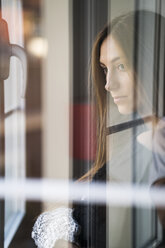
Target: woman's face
x,y
119,78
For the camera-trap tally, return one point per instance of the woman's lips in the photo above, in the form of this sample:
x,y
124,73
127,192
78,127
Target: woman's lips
x,y
118,99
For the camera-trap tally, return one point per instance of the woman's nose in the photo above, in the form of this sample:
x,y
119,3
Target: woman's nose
x,y
111,82
107,85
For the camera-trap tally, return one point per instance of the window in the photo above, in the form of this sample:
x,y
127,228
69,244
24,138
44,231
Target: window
x,y
95,109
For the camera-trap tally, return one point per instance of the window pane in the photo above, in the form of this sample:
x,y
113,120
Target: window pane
x,y
94,125
14,170
12,13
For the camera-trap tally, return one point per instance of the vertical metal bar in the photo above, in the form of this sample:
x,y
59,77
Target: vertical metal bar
x,y
2,153
156,73
163,85
162,6
163,96
161,63
156,60
108,208
2,162
89,42
135,61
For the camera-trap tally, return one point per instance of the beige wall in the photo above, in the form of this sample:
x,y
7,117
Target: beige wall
x,y
56,88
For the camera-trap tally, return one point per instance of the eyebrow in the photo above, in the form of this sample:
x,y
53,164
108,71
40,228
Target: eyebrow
x,y
112,61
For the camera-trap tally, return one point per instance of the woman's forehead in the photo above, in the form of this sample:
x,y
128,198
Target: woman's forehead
x,y
110,50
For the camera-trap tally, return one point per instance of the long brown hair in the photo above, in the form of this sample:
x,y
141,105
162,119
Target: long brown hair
x,y
124,31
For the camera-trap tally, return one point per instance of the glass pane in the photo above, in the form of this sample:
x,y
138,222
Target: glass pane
x,y
14,170
12,14
94,125
13,78
133,42
130,161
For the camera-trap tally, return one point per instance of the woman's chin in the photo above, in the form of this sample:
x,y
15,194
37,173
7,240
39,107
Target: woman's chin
x,y
125,110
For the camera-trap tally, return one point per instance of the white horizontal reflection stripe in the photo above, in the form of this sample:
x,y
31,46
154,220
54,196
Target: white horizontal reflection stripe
x,y
100,193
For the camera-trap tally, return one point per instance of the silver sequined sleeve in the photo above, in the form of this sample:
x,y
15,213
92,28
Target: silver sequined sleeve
x,y
54,225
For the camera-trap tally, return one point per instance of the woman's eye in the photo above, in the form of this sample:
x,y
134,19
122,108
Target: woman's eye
x,y
121,67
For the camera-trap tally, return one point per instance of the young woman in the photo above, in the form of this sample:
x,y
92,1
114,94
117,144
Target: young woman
x,y
121,67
